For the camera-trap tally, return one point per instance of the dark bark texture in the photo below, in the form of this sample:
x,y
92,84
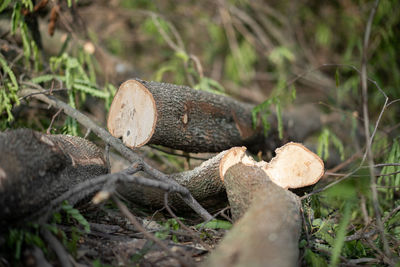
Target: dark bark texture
x,y
36,168
268,226
198,121
203,182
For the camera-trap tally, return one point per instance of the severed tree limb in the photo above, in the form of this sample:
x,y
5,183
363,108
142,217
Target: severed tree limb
x,y
35,168
268,216
196,121
294,166
269,227
118,145
204,182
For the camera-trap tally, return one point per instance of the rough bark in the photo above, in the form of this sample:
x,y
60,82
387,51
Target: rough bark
x,y
294,166
269,227
204,183
179,117
197,121
36,168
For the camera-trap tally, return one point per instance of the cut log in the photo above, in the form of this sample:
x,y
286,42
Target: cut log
x,y
268,224
36,168
204,183
293,167
179,117
182,118
268,232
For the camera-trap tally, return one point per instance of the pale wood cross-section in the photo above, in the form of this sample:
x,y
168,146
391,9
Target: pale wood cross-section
x,y
133,114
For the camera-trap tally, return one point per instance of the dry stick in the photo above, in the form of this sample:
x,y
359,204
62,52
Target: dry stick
x,y
176,154
40,259
107,156
119,146
382,255
52,121
58,248
125,211
367,133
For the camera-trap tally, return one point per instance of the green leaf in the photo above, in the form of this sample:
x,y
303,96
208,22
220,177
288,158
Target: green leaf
x,y
323,144
281,54
28,4
92,91
279,118
15,17
74,213
293,93
162,70
323,34
46,78
25,40
182,55
340,236
209,85
215,224
4,4
313,259
337,77
10,73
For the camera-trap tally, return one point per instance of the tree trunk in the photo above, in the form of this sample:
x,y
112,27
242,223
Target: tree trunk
x,y
36,168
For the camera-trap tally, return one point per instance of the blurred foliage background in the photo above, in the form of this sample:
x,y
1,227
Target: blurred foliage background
x,y
294,52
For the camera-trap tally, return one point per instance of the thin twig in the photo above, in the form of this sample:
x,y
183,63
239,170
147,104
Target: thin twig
x,y
48,131
176,154
107,157
40,259
58,248
369,138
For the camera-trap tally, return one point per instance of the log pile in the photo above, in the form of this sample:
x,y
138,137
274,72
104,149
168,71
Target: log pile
x,y
38,168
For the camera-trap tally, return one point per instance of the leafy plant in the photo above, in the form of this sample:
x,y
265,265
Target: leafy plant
x,y
170,224
75,214
325,139
16,238
8,96
215,224
263,110
390,174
